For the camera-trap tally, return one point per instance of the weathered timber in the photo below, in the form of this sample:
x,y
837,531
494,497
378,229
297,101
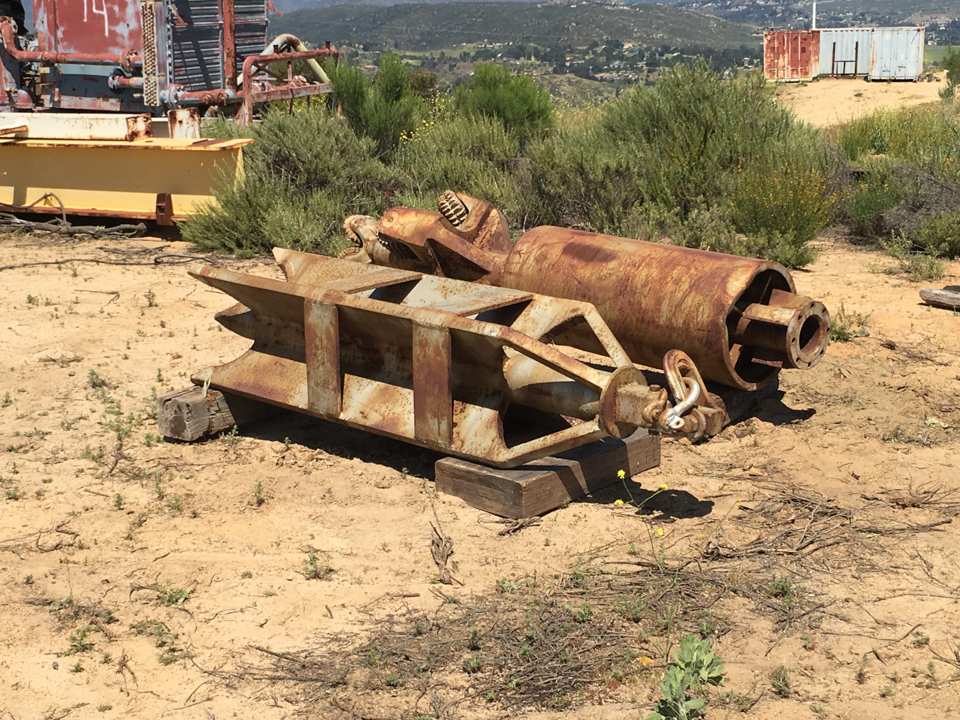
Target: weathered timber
x,y
948,298
544,485
193,414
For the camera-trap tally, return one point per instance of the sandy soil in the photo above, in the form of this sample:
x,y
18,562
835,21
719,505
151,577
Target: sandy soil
x,y
130,569
827,102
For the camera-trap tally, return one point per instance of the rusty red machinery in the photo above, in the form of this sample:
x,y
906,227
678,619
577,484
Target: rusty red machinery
x,y
152,56
739,319
442,332
462,368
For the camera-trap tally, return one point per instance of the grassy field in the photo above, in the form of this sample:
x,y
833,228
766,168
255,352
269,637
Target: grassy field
x,y
934,55
424,26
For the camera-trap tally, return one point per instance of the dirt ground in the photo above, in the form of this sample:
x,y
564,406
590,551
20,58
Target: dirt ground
x,y
138,576
827,102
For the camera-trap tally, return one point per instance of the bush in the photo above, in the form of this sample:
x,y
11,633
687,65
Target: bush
x,y
384,109
708,161
926,137
876,192
694,130
952,64
517,101
473,154
897,199
305,171
918,266
939,236
576,177
695,149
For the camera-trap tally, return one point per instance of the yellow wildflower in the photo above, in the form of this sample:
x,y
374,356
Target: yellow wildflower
x,y
621,474
618,503
658,532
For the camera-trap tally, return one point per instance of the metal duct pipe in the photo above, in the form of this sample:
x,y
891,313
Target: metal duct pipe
x,y
739,319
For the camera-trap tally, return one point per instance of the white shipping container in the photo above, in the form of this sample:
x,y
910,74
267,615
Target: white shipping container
x,y
897,53
845,51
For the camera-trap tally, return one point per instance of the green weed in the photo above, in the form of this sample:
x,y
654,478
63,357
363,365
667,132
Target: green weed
x,y
165,639
314,569
848,325
780,682
917,266
695,668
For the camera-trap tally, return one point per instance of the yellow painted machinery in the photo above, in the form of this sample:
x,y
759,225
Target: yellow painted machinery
x,y
86,92
112,165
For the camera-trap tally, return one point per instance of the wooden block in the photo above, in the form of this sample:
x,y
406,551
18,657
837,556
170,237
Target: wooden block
x,y
544,485
948,298
191,414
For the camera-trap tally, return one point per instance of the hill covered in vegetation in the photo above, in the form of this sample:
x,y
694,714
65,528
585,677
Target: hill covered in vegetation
x,y
788,13
448,25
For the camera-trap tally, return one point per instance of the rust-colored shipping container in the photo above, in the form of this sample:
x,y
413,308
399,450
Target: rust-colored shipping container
x,y
791,55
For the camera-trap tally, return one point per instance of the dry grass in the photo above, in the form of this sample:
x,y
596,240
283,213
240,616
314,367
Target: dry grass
x,y
557,642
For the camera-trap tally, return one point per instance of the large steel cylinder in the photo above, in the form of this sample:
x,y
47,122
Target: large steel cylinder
x,y
738,318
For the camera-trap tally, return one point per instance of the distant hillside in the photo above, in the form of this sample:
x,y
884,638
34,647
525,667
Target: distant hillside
x,y
285,6
434,26
842,13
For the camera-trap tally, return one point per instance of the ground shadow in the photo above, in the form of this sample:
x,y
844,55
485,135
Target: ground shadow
x,y
765,404
664,504
343,442
349,443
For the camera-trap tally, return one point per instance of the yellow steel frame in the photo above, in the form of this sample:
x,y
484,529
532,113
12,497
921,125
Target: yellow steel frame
x,y
116,178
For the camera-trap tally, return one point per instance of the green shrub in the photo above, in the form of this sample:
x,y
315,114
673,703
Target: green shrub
x,y
472,154
952,64
876,192
576,177
939,236
706,227
713,228
517,101
696,149
694,130
304,172
918,266
927,137
384,109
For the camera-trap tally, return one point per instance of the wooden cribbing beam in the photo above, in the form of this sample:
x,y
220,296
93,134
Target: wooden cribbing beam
x,y
192,414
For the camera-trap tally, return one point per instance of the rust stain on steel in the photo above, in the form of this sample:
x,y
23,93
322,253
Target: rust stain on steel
x,y
791,55
153,54
432,395
321,325
655,297
739,319
109,27
407,355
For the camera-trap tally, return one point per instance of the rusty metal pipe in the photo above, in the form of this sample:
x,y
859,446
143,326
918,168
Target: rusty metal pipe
x,y
738,318
228,12
534,385
123,82
247,92
8,35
